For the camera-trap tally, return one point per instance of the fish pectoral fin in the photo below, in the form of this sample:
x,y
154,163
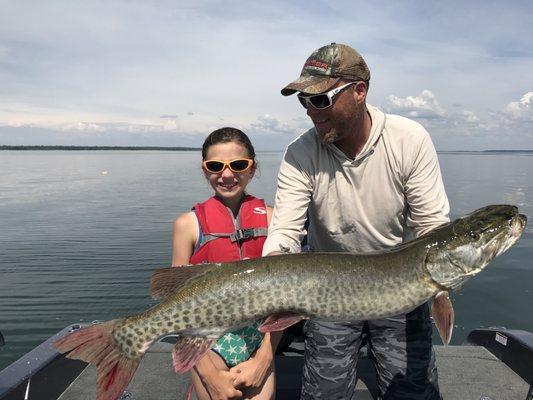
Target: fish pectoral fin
x,y
279,321
188,350
443,315
167,280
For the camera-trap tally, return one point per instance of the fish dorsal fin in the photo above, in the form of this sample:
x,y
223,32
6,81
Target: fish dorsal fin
x,y
188,350
166,280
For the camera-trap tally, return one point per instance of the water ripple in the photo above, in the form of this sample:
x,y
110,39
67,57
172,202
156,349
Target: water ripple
x,y
76,246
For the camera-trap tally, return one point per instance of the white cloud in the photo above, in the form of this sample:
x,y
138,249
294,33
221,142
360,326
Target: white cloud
x,y
469,116
422,106
465,123
83,127
302,123
190,123
269,124
126,67
521,110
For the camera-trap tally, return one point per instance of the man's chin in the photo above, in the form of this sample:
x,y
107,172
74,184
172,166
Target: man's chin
x,y
328,137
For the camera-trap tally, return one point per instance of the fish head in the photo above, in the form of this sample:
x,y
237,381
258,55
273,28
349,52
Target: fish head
x,y
465,246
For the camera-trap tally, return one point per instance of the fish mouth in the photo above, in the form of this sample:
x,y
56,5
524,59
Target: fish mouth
x,y
504,241
518,225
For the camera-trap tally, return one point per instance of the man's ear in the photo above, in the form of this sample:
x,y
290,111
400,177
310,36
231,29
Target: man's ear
x,y
360,91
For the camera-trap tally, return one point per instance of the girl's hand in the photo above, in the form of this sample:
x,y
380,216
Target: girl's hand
x,y
253,372
220,386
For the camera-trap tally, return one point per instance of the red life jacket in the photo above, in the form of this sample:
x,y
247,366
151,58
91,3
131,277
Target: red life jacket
x,y
224,239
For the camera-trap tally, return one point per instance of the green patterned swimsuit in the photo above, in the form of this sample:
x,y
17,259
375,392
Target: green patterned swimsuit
x,y
237,346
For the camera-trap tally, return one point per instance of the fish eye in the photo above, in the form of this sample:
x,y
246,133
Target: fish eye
x,y
474,235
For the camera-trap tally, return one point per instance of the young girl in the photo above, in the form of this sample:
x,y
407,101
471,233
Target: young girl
x,y
229,226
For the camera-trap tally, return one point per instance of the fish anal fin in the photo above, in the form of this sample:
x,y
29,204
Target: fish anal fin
x,y
94,344
443,316
167,280
188,350
279,321
111,384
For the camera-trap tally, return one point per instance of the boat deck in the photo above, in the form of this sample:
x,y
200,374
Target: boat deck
x,y
465,373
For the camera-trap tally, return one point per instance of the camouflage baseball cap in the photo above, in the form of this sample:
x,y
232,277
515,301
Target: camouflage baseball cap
x,y
326,66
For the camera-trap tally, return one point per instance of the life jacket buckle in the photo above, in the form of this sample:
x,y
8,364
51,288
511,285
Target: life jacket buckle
x,y
242,234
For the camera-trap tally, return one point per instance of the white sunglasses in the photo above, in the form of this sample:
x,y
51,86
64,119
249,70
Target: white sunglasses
x,y
322,100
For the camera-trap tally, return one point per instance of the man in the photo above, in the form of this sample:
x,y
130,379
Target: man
x,y
366,181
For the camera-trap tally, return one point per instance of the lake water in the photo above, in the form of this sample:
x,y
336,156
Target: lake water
x,y
82,231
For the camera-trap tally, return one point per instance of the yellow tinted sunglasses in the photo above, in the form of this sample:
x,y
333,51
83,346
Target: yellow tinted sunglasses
x,y
238,165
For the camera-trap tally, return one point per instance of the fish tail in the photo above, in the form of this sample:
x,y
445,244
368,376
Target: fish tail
x,y
95,345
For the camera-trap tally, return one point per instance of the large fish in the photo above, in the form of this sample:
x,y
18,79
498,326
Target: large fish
x,y
204,301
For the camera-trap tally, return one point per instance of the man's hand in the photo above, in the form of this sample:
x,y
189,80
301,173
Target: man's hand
x,y
253,372
220,386
275,253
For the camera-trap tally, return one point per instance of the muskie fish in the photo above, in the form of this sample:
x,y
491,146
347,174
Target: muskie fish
x,y
202,302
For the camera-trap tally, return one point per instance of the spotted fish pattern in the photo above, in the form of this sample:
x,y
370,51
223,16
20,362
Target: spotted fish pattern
x,y
203,302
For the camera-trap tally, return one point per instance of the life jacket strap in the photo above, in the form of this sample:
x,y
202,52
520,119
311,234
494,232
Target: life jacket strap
x,y
238,236
243,234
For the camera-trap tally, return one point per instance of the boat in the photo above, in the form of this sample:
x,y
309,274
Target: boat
x,y
492,364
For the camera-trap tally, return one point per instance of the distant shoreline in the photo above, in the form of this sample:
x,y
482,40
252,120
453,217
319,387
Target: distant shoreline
x,y
485,151
165,148
75,148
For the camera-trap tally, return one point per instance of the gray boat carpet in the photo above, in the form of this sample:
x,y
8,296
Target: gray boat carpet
x,y
465,373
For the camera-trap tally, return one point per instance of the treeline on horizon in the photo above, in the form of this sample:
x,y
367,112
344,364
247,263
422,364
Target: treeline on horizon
x,y
37,147
170,148
484,151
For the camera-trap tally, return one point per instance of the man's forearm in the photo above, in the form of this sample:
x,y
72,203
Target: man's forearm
x,y
267,350
293,196
274,253
279,244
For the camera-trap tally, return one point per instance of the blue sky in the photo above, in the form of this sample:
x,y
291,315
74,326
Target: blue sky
x,y
169,72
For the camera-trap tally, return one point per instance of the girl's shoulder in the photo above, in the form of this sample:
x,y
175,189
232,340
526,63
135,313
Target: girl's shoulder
x,y
186,222
184,238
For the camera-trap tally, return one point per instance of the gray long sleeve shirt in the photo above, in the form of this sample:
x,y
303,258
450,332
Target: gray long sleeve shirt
x,y
392,191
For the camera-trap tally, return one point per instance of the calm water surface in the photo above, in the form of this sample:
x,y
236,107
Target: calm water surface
x,y
82,231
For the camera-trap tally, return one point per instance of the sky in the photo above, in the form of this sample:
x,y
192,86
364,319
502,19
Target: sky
x,y
167,73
